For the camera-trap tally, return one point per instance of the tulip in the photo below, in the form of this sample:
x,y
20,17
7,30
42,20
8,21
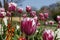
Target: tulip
x,y
20,10
8,14
58,18
35,18
59,22
28,26
2,14
24,15
41,16
46,15
33,13
58,26
51,22
48,35
2,10
28,8
12,6
38,24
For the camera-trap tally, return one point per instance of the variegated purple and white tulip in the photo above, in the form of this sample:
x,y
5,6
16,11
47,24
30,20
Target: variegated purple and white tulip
x,y
28,26
48,34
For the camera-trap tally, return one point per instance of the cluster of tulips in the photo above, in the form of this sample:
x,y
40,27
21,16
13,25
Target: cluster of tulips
x,y
29,24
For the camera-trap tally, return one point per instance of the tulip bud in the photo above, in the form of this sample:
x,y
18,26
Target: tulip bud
x,y
20,10
28,8
46,15
12,6
33,13
58,18
48,35
28,26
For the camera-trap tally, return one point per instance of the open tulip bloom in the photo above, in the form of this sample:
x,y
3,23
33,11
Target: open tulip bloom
x,y
28,26
48,35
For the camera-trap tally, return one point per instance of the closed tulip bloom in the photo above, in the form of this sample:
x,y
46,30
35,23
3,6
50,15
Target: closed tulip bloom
x,y
28,8
48,35
12,6
41,16
20,10
33,13
28,26
58,18
46,15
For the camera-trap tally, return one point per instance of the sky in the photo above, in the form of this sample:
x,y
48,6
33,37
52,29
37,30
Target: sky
x,y
35,3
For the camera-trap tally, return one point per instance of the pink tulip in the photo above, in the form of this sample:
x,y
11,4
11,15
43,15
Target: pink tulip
x,y
58,18
33,13
51,22
12,6
46,15
48,35
58,26
28,8
59,22
2,14
20,10
24,15
41,16
2,10
38,24
28,26
35,18
8,14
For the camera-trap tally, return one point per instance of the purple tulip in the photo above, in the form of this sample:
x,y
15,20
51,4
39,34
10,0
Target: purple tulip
x,y
48,35
33,13
12,6
28,8
20,10
46,15
28,26
58,18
